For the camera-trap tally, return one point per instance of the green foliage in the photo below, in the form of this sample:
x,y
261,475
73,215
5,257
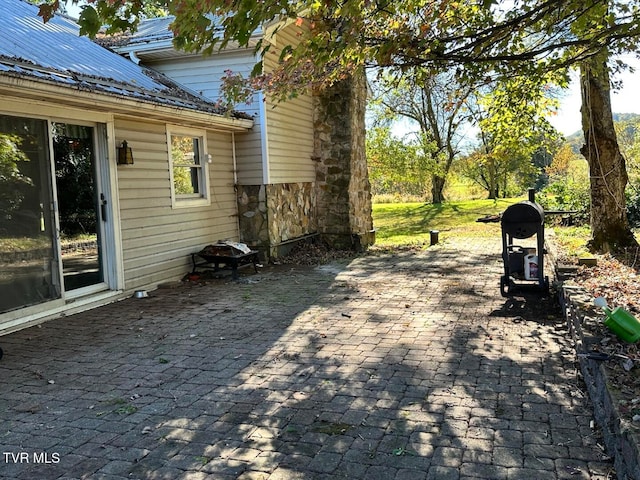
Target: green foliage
x,y
234,90
109,16
515,138
74,165
435,104
627,130
477,40
396,166
488,40
182,155
569,176
573,240
12,180
182,181
569,196
396,198
568,188
633,206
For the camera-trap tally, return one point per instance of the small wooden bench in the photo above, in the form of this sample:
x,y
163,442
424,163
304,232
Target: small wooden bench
x,y
214,255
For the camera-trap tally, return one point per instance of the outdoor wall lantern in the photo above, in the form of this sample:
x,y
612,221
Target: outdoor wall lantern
x,y
125,154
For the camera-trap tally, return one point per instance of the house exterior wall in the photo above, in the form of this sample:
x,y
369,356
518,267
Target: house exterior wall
x,y
289,125
283,208
77,229
152,241
275,172
203,75
157,240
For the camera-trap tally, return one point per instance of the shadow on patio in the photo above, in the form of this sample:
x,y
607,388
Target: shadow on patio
x,y
389,366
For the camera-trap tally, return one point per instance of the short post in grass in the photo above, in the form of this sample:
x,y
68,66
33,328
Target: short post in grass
x,y
434,236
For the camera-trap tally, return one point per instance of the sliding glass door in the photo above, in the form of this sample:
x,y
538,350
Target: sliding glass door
x,y
53,211
28,266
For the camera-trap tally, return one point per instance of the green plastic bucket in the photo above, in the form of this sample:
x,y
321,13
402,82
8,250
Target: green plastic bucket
x,y
623,324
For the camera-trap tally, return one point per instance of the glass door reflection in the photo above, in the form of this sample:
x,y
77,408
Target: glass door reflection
x,y
78,205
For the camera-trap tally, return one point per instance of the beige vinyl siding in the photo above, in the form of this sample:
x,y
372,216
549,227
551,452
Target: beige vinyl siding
x,y
203,75
157,240
289,127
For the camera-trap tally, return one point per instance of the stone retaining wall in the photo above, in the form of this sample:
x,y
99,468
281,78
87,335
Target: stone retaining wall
x,y
15,257
620,436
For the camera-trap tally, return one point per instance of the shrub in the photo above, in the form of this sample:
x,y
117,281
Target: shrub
x,y
633,206
568,196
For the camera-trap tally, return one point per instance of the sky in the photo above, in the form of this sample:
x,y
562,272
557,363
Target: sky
x,y
627,100
73,10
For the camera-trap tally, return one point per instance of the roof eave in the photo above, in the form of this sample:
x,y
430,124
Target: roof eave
x,y
160,48
49,92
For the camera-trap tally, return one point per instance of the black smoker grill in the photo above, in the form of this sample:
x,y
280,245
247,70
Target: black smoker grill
x,y
519,221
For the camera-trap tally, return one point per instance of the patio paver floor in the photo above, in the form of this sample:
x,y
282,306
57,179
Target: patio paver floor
x,y
391,366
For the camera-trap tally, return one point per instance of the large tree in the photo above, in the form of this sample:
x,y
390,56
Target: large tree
x,y
514,133
482,38
438,105
610,228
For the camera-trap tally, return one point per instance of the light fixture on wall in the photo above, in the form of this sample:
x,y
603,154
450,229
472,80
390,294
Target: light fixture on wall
x,y
125,154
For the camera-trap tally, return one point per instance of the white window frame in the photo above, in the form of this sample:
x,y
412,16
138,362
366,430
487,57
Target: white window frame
x,y
202,198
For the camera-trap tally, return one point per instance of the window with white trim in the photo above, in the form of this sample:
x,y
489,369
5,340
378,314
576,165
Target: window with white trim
x,y
189,172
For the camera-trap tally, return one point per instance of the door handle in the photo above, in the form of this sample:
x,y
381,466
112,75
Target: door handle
x,y
103,207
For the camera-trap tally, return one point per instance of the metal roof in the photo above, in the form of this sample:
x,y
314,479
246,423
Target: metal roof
x,y
150,30
54,52
154,34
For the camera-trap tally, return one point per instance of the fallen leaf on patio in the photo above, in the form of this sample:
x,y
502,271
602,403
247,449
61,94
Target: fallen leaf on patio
x,y
573,470
29,408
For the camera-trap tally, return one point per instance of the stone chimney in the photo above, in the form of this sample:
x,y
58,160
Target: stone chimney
x,y
342,180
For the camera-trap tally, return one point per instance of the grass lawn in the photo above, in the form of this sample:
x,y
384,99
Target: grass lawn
x,y
411,223
400,224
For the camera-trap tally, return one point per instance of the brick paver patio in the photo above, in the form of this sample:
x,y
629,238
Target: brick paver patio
x,y
391,366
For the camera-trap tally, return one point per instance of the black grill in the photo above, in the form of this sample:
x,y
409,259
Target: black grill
x,y
522,220
519,221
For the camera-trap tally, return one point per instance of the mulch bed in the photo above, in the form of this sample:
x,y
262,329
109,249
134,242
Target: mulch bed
x,y
619,284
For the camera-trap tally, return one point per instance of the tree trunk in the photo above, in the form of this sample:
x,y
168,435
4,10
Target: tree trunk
x,y
610,229
437,188
493,179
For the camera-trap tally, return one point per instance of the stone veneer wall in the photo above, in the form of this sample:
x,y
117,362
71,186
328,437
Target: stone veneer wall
x,y
338,205
291,209
252,215
270,215
344,191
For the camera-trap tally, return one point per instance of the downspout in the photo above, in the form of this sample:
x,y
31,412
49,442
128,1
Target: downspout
x,y
235,181
235,160
266,170
134,58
